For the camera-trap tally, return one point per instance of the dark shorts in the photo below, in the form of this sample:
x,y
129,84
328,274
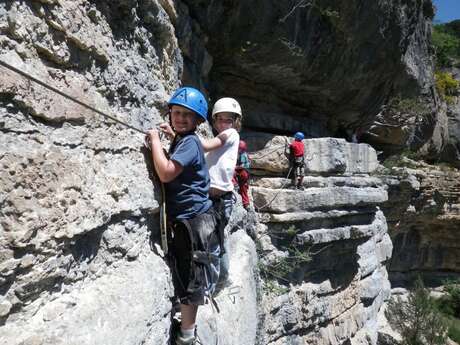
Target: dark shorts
x,y
299,166
194,255
223,207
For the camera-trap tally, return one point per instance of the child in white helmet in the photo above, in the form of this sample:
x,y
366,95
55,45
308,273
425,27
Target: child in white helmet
x,y
221,157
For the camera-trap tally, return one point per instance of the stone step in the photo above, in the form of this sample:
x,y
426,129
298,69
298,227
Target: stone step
x,y
317,236
293,217
283,200
319,181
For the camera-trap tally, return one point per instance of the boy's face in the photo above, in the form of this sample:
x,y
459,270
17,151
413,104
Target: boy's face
x,y
223,121
183,120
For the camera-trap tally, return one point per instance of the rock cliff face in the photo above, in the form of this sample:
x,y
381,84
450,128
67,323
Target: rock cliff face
x,y
79,255
323,249
78,206
325,66
423,215
79,263
451,151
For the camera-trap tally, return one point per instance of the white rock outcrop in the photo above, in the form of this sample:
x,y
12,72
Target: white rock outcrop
x,y
324,249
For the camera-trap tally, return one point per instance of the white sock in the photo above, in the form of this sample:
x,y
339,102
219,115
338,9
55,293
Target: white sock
x,y
188,333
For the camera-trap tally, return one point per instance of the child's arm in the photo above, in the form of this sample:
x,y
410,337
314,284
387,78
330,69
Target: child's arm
x,y
291,153
214,143
166,169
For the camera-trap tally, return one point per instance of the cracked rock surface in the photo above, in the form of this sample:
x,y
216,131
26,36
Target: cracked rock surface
x,y
78,202
80,261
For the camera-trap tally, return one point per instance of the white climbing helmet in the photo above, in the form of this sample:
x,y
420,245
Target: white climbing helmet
x,y
227,105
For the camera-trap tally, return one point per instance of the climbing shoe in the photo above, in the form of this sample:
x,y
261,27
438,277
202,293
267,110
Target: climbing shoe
x,y
180,340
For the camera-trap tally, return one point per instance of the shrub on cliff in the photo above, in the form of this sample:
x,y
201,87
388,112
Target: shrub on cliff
x,y
417,318
446,85
449,305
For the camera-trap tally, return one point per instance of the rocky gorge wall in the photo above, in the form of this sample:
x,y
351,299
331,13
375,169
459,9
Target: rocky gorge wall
x,y
324,249
79,255
326,67
423,216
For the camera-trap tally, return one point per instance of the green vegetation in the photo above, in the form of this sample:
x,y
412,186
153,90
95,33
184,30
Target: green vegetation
x,y
417,319
400,161
283,266
272,287
413,161
425,320
278,270
454,329
446,85
446,42
449,306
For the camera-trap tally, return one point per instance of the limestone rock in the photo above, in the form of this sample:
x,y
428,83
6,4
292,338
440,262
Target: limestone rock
x,y
320,68
96,311
79,206
286,200
421,199
324,155
323,255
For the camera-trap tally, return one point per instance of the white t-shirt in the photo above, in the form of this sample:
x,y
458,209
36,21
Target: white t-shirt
x,y
222,161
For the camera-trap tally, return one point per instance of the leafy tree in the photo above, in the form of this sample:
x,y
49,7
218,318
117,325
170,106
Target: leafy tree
x,y
453,289
417,319
449,304
446,42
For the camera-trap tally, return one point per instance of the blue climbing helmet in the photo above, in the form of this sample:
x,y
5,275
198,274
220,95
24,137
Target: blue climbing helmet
x,y
299,136
192,99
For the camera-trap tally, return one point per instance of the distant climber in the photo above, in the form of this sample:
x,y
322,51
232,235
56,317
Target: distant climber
x,y
242,173
194,249
296,157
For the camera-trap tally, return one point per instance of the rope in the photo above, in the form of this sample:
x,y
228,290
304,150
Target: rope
x,y
274,197
259,155
51,88
163,220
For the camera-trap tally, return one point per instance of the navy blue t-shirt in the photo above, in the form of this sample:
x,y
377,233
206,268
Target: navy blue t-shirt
x,y
187,195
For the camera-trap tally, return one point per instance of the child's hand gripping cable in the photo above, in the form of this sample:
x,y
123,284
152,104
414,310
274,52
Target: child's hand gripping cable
x,y
148,142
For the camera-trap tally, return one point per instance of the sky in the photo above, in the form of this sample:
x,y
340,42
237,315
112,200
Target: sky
x,y
447,10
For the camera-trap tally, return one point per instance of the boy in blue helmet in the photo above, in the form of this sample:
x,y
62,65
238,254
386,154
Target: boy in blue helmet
x,y
296,152
194,244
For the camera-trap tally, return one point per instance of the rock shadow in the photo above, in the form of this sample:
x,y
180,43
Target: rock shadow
x,y
335,261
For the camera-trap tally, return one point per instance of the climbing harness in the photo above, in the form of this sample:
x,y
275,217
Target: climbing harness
x,y
51,88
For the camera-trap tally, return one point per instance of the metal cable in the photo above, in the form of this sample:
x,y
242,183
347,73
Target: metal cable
x,y
282,187
28,76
